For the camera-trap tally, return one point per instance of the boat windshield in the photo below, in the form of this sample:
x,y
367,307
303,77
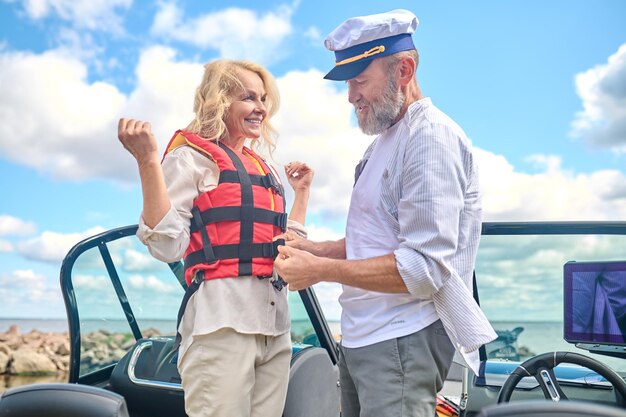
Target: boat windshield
x,y
520,276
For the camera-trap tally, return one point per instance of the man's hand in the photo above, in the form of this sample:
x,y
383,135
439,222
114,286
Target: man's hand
x,y
294,240
298,268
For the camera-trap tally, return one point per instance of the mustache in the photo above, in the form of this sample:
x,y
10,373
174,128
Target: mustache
x,y
359,103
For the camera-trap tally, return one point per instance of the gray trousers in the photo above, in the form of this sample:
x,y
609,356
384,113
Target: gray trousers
x,y
395,378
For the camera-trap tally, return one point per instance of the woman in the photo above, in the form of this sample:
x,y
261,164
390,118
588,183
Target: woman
x,y
213,201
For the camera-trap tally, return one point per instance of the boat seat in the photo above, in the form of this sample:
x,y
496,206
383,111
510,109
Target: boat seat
x,y
61,400
313,385
545,408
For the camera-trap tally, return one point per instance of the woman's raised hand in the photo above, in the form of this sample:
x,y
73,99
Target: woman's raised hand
x,y
299,175
137,137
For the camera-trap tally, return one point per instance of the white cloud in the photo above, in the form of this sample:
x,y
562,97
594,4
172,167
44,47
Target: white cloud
x,y
70,132
27,278
554,194
62,119
87,14
152,283
6,246
234,32
135,261
314,35
51,246
328,295
68,127
315,125
529,269
90,282
25,287
322,233
12,226
602,89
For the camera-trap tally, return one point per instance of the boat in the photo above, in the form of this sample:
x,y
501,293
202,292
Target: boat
x,y
505,346
121,306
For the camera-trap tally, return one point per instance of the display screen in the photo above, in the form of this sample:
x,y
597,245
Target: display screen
x,y
595,302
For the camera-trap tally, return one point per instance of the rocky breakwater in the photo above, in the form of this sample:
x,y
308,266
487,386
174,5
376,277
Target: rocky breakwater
x,y
39,353
34,353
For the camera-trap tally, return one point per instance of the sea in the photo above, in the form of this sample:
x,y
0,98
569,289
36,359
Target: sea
x,y
537,337
60,325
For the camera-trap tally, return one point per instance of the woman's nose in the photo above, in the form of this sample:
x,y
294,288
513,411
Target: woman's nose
x,y
260,108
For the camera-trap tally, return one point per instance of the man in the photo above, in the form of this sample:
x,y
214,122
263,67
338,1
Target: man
x,y
412,233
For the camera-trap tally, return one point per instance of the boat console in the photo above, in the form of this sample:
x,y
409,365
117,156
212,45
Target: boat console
x,y
594,313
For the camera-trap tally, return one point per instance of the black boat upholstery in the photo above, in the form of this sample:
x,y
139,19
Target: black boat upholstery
x,y
313,385
61,400
148,378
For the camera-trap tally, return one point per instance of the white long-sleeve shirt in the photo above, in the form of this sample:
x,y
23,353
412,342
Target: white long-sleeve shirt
x,y
426,210
245,304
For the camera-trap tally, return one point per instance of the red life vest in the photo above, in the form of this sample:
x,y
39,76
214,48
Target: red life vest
x,y
233,225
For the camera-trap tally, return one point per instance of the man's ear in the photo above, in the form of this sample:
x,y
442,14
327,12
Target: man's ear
x,y
406,70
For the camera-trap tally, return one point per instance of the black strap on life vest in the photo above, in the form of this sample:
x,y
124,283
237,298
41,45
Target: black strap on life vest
x,y
191,289
246,227
266,181
233,251
246,214
233,213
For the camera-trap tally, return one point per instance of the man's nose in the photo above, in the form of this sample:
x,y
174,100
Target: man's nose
x,y
353,93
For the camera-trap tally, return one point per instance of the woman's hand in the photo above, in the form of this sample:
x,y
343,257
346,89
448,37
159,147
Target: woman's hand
x,y
137,137
299,175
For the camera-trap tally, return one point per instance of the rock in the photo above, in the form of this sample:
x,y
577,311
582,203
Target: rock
x,y
27,361
40,353
4,362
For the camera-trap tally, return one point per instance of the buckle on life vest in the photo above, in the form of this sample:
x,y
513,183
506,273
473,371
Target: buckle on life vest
x,y
269,181
271,251
281,220
278,283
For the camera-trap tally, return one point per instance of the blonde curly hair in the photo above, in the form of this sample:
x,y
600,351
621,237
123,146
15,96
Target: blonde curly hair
x,y
213,99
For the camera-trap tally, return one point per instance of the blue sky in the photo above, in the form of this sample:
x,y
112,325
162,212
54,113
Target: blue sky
x,y
539,87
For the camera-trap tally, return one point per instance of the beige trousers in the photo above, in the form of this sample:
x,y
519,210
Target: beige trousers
x,y
226,373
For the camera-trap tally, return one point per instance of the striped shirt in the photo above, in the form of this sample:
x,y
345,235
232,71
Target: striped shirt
x,y
429,197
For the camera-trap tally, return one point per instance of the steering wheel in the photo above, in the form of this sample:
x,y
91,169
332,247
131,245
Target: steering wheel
x,y
542,368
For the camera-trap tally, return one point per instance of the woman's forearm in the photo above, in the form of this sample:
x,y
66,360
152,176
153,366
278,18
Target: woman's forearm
x,y
156,202
298,209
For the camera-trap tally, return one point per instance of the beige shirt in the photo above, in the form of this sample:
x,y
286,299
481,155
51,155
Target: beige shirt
x,y
245,304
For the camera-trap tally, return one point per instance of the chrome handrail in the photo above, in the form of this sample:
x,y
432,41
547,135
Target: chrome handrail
x,y
132,363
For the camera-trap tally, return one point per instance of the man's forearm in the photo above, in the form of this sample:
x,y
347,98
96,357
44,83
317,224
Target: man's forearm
x,y
374,274
335,249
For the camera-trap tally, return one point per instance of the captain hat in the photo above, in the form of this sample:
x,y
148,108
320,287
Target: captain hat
x,y
359,40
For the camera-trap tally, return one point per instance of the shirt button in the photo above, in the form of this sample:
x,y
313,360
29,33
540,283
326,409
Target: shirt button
x,y
272,303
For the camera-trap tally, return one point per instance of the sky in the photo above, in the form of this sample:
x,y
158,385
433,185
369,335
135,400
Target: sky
x,y
539,87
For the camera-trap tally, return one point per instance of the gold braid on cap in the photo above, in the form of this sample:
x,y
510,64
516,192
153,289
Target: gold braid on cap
x,y
375,50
